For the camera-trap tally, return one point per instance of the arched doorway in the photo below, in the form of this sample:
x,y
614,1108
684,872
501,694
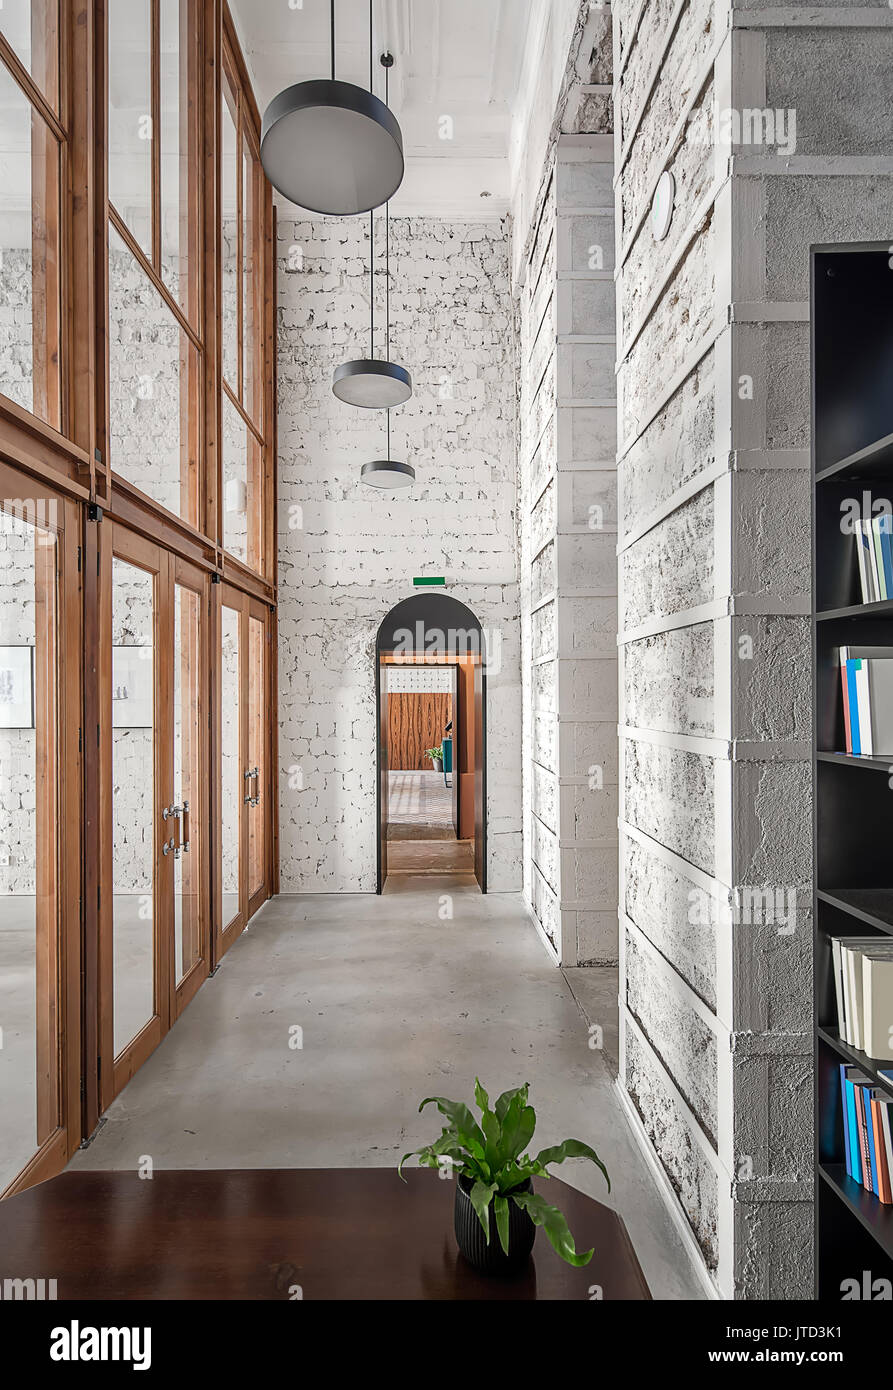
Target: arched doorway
x,y
435,629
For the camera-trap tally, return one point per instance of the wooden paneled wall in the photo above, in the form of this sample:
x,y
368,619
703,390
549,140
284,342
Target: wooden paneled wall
x,y
417,720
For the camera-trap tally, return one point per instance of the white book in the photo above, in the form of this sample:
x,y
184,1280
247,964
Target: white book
x,y
880,694
853,976
838,986
839,948
844,1008
877,1003
853,957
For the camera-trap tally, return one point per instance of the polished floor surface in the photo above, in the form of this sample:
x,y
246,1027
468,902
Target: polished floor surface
x,y
334,1016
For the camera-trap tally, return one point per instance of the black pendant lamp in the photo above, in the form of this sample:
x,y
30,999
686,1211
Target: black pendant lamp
x,y
332,147
387,474
369,382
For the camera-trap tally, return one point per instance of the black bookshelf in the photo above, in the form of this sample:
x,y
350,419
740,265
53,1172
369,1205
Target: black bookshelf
x,y
852,458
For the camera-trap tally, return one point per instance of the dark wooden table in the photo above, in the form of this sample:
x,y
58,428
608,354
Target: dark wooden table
x,y
336,1233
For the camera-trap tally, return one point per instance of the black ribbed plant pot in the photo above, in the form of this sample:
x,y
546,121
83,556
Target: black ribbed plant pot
x,y
491,1259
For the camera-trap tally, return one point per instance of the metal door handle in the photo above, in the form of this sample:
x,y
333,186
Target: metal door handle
x,y
185,823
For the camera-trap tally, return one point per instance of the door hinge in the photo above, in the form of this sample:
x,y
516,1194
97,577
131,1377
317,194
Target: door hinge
x,y
98,1067
79,559
83,1088
80,740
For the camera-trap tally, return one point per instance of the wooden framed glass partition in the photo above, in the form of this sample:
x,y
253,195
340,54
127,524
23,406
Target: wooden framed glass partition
x,y
154,882
40,845
243,822
116,406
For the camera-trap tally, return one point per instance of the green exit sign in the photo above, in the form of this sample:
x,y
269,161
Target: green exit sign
x,y
426,583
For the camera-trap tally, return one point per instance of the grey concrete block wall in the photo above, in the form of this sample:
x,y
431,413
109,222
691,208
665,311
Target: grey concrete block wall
x,y
713,487
564,258
568,548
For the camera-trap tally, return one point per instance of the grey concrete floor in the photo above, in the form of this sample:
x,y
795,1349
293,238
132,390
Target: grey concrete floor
x,y
394,1003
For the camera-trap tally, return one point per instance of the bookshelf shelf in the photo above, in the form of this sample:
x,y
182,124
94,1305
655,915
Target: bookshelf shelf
x,y
868,1211
874,763
867,463
851,318
873,906
870,1065
884,609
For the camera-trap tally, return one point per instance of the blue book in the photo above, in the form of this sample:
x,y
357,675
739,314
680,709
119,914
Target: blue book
x,y
852,1112
847,1136
867,1093
885,531
854,706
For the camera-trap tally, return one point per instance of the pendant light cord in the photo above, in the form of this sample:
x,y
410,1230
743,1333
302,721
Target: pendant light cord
x,y
372,286
333,40
387,244
371,210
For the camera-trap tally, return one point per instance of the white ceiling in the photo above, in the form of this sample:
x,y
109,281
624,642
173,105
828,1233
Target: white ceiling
x,y
461,59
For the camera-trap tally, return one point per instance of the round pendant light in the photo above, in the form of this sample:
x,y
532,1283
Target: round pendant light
x,y
372,385
385,473
370,382
332,147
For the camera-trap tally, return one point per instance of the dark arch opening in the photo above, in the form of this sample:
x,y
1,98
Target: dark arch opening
x,y
439,625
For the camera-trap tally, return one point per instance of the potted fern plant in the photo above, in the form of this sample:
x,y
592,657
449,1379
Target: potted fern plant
x,y
495,1178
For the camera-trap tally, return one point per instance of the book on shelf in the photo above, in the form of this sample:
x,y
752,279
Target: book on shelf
x,y
867,1133
866,680
874,551
863,993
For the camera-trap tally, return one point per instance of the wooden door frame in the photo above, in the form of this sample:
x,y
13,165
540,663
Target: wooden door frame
x,y
260,612
435,612
114,1072
196,580
225,933
59,864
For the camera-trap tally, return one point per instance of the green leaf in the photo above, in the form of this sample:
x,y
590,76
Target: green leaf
x,y
501,1212
517,1128
571,1148
467,1129
480,1195
554,1224
412,1153
448,1146
481,1099
507,1097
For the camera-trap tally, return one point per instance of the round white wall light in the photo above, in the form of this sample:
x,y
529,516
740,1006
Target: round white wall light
x,y
662,205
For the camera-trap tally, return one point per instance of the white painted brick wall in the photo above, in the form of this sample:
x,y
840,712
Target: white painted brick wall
x,y
348,554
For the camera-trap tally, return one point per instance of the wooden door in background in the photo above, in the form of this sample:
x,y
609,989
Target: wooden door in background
x,y
417,721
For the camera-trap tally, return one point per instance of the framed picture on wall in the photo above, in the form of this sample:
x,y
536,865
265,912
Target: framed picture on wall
x,y
133,694
16,687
